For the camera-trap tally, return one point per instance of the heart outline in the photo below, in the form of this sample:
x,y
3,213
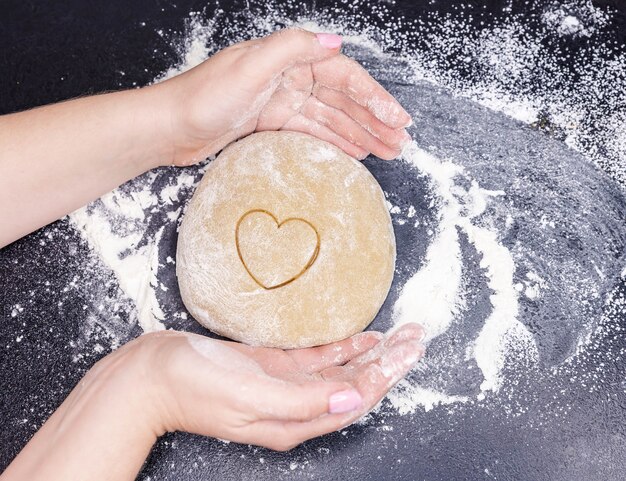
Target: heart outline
x,y
309,263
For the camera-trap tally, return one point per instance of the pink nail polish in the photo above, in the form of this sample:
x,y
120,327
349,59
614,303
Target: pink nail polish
x,y
344,401
329,40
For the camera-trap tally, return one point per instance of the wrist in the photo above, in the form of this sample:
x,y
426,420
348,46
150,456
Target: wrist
x,y
123,383
138,376
111,403
188,130
156,116
151,373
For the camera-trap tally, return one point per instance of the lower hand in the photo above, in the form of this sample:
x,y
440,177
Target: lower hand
x,y
271,397
172,381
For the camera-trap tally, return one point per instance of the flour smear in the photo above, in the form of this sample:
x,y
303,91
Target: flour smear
x,y
507,63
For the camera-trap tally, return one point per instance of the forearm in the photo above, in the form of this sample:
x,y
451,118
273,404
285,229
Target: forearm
x,y
55,159
103,431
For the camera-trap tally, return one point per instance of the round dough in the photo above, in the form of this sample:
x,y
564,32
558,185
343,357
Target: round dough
x,y
287,242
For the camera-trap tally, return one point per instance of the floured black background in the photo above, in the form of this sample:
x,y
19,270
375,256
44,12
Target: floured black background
x,y
56,51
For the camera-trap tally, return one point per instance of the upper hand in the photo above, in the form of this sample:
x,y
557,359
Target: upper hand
x,y
271,397
290,80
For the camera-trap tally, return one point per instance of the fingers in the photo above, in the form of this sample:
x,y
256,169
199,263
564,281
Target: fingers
x,y
285,48
283,436
287,401
347,76
351,110
373,382
300,123
322,357
377,378
393,138
407,332
284,104
348,128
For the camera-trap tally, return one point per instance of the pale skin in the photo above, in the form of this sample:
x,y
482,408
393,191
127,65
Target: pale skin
x,y
56,158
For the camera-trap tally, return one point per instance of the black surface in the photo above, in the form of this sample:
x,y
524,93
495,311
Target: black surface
x,y
52,52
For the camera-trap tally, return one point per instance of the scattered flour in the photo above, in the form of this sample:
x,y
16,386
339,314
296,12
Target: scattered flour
x,y
566,18
115,225
406,396
117,245
432,296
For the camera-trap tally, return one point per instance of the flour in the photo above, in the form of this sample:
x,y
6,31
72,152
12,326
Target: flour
x,y
117,245
192,46
407,396
565,17
116,224
384,110
432,297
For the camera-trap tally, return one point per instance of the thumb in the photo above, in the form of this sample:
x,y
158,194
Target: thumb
x,y
290,46
306,401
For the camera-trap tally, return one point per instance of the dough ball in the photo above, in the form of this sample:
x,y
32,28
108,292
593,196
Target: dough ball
x,y
287,242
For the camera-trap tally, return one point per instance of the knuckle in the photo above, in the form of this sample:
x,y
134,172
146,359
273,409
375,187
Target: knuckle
x,y
354,65
295,38
241,65
289,33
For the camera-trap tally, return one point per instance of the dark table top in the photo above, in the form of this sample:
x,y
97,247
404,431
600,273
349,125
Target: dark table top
x,y
560,416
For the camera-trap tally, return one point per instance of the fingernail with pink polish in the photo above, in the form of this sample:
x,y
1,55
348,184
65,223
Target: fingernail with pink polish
x,y
344,401
329,40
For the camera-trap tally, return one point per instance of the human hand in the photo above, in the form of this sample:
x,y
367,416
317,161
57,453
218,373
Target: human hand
x,y
271,397
291,80
170,381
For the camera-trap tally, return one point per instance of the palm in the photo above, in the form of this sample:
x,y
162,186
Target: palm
x,y
362,360
309,364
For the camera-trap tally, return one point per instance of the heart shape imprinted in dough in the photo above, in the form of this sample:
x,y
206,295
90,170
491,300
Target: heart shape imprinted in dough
x,y
265,244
